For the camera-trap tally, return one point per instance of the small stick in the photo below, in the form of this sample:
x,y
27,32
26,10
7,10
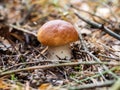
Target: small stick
x,y
51,66
104,56
91,14
23,30
99,26
97,75
88,86
34,62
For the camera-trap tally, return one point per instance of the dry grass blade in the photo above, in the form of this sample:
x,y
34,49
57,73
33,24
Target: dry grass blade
x,y
53,66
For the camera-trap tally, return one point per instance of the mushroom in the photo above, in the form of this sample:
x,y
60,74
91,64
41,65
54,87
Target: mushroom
x,y
57,35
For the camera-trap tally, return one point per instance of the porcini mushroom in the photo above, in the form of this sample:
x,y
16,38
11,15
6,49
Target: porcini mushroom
x,y
57,35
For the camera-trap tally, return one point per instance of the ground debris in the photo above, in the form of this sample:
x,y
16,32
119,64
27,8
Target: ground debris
x,y
20,49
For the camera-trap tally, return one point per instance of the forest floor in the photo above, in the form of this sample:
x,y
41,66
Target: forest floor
x,y
95,64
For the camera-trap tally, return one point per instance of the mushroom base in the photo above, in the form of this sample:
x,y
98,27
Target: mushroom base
x,y
60,52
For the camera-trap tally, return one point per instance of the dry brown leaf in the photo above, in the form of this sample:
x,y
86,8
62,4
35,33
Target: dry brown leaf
x,y
4,85
44,86
41,2
48,86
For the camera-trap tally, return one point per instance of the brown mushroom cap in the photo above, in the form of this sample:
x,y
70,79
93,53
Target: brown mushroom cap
x,y
57,33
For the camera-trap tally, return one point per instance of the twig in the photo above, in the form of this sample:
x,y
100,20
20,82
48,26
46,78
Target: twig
x,y
50,66
97,75
20,64
91,14
99,26
93,56
23,30
34,62
114,58
88,86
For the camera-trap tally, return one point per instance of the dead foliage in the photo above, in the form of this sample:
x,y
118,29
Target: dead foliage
x,y
95,63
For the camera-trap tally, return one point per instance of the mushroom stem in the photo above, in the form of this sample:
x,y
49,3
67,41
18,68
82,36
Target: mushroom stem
x,y
62,52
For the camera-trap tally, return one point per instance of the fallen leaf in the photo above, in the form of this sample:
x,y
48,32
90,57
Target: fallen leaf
x,y
4,85
44,86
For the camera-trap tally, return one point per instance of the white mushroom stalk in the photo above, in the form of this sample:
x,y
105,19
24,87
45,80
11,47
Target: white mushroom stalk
x,y
60,52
